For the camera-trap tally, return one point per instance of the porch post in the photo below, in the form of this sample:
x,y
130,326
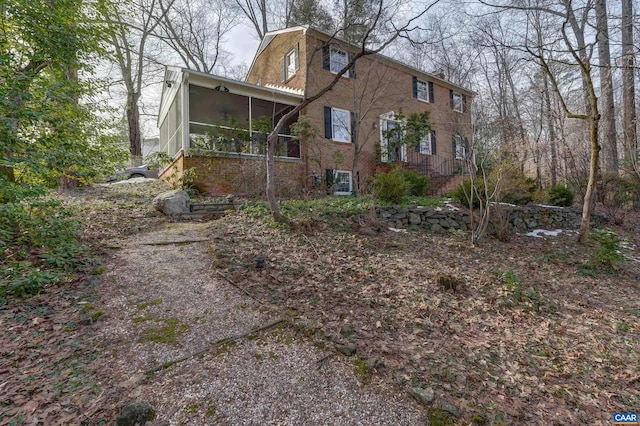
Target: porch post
x,y
184,87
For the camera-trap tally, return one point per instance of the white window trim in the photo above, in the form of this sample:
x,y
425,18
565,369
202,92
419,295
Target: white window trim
x,y
460,143
461,102
426,91
333,125
335,49
426,142
289,60
335,179
384,143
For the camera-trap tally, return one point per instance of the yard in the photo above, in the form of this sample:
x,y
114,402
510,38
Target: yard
x,y
529,331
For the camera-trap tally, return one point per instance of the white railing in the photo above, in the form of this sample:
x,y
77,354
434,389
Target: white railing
x,y
232,140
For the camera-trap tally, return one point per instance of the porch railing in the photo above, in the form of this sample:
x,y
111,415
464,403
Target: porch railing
x,y
230,140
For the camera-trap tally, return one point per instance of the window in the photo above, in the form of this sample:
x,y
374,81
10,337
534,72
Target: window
x,y
338,124
339,181
290,63
423,90
335,60
458,101
391,148
459,149
338,60
427,144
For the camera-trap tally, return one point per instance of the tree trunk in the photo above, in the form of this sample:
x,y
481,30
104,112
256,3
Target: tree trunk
x,y
133,122
587,208
272,142
608,138
628,87
552,133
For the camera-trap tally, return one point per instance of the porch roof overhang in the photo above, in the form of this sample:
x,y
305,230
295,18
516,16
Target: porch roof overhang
x,y
176,76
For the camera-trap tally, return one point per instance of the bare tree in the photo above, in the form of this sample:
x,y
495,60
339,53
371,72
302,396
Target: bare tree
x,y
195,29
608,138
131,25
266,15
384,22
628,86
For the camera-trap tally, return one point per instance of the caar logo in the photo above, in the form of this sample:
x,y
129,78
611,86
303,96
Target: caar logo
x,y
625,419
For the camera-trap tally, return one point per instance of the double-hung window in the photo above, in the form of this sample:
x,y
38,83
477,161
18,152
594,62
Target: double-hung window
x,y
335,60
290,63
458,101
427,144
423,90
338,124
338,60
459,149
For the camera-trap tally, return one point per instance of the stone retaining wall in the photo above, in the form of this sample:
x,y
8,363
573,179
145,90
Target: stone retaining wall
x,y
520,218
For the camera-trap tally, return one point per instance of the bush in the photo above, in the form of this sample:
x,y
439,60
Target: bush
x,y
391,187
418,185
38,239
561,196
519,190
462,194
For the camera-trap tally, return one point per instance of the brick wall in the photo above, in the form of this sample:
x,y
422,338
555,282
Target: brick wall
x,y
267,67
244,175
379,87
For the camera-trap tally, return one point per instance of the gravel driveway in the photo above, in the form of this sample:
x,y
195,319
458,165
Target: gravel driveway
x,y
163,302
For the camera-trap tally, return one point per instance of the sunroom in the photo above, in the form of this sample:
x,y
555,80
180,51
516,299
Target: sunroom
x,y
207,116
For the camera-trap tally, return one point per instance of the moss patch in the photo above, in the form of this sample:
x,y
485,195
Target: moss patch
x,y
167,333
144,305
438,417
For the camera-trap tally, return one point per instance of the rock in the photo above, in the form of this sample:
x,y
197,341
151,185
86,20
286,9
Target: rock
x,y
414,219
347,350
135,413
374,364
347,331
423,396
366,231
436,228
172,202
449,408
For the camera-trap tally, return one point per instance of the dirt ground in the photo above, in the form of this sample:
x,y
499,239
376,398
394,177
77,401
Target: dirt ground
x,y
529,331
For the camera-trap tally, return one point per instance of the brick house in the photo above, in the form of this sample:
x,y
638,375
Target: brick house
x,y
226,119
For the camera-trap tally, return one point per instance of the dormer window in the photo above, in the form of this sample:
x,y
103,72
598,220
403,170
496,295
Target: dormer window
x,y
290,63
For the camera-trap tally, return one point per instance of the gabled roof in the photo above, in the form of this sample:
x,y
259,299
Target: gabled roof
x,y
323,34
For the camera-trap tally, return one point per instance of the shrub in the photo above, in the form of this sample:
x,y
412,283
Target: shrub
x,y
418,185
38,239
462,194
561,196
391,187
519,190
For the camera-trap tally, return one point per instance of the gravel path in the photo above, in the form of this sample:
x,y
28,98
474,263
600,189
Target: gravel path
x,y
164,302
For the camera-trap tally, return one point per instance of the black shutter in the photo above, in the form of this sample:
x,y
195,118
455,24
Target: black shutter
x,y
451,98
352,70
433,142
466,143
415,86
283,71
432,98
464,103
328,130
297,56
326,61
353,127
328,177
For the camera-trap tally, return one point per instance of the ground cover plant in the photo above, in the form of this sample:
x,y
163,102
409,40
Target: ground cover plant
x,y
533,331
